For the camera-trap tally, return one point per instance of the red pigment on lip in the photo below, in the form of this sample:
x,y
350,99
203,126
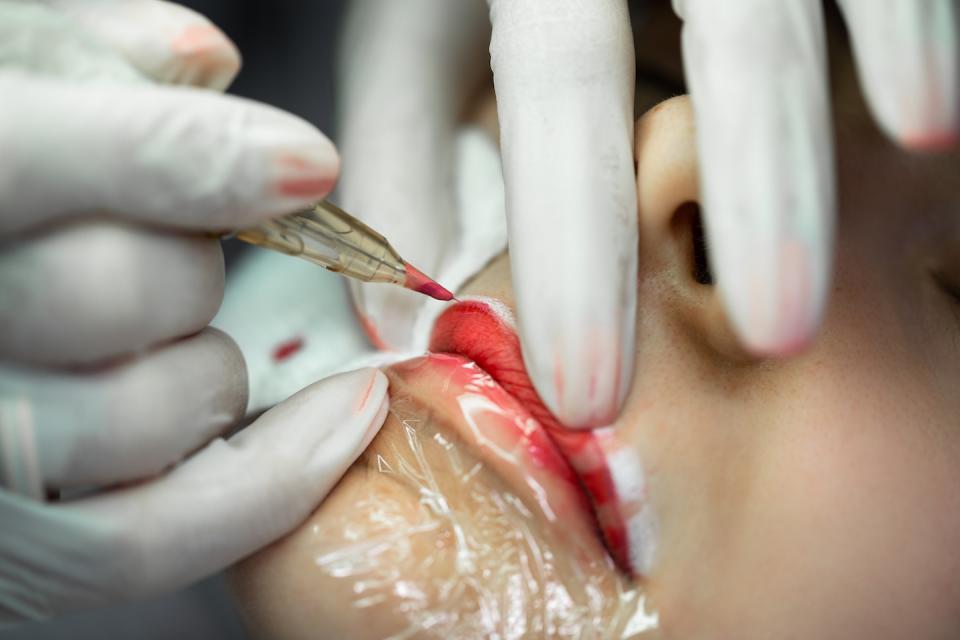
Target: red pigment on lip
x,y
505,437
462,372
417,281
471,329
286,350
586,455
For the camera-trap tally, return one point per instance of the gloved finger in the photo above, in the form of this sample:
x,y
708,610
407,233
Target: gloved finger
x,y
164,155
907,56
167,42
564,76
757,77
407,68
223,503
90,291
128,422
37,40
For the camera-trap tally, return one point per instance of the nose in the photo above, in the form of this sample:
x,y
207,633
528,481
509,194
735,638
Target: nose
x,y
677,292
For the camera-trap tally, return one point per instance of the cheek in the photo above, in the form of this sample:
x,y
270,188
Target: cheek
x,y
854,505
857,513
824,502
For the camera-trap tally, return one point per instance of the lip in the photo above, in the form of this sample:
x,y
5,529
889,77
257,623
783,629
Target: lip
x,y
503,435
608,476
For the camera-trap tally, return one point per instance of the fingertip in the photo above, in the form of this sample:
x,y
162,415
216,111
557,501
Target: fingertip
x,y
349,397
340,416
915,125
233,162
582,375
309,173
765,345
581,401
371,398
203,55
766,170
378,420
907,61
168,42
230,403
777,314
300,165
930,141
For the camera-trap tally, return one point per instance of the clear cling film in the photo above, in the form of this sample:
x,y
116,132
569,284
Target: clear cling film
x,y
427,537
330,237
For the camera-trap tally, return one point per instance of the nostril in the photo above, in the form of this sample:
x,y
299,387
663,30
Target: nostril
x,y
687,218
701,260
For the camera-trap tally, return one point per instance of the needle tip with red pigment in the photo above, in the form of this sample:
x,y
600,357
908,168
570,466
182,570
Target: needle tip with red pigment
x,y
417,281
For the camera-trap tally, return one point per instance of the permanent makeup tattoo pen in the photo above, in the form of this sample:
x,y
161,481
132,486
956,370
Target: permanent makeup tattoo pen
x,y
330,237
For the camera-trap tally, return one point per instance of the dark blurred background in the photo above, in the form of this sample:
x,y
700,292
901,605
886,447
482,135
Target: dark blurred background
x,y
288,49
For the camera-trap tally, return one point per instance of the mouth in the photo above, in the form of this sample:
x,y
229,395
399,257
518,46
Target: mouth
x,y
600,474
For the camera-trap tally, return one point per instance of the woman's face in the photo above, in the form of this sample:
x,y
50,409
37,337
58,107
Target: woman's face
x,y
814,497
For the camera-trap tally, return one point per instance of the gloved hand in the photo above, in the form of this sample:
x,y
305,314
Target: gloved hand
x,y
564,82
564,74
108,376
757,75
405,73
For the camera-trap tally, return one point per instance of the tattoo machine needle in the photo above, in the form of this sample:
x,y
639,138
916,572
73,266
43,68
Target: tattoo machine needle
x,y
330,237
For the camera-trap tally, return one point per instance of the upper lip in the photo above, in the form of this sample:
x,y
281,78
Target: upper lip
x,y
482,330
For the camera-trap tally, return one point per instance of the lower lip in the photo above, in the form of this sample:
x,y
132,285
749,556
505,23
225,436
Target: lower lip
x,y
482,331
503,435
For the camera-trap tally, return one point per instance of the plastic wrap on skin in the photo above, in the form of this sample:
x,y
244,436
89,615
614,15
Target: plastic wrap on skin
x,y
428,537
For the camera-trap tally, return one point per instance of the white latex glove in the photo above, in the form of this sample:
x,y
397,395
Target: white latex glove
x,y
757,74
108,377
564,81
405,74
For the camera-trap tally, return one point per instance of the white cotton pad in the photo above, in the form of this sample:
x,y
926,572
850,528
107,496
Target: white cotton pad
x,y
629,480
294,322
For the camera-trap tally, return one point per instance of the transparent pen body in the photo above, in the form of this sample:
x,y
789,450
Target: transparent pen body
x,y
333,239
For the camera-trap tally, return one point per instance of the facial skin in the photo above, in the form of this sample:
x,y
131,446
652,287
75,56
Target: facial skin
x,y
815,497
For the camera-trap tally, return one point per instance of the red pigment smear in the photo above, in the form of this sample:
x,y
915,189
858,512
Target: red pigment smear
x,y
931,142
472,330
366,396
420,283
198,39
298,163
307,187
286,350
798,296
368,327
372,334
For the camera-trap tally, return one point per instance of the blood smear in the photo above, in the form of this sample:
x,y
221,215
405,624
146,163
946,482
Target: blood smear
x,y
286,350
